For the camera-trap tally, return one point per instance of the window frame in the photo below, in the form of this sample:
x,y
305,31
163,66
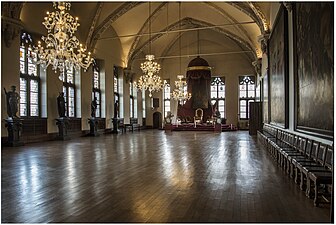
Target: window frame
x,y
66,89
246,81
27,45
96,92
166,97
218,81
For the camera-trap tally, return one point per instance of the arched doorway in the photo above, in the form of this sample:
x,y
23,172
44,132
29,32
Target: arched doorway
x,y
157,120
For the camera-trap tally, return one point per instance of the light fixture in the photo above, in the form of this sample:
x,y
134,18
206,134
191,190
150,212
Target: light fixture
x,y
180,93
62,48
150,80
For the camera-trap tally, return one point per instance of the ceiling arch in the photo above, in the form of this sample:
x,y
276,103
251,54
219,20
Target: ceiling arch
x,y
193,23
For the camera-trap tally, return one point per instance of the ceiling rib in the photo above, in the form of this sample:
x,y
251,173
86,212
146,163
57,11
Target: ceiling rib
x,y
176,31
201,54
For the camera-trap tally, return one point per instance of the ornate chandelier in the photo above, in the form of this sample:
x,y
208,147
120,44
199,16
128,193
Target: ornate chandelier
x,y
62,48
150,80
180,93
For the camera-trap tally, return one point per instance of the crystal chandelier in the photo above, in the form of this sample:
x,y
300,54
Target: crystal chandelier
x,y
150,83
180,93
150,80
62,48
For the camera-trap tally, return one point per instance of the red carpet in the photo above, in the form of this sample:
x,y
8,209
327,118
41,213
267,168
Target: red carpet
x,y
202,127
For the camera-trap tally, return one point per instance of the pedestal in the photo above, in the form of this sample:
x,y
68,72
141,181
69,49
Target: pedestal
x,y
93,127
62,124
115,122
218,127
14,126
168,127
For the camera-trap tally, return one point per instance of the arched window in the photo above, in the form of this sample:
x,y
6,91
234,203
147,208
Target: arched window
x,y
218,94
166,97
96,92
29,79
246,95
69,90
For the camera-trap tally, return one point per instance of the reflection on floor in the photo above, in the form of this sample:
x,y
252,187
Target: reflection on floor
x,y
150,176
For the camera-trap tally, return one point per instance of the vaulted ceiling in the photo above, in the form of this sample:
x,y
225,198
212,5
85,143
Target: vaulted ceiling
x,y
240,23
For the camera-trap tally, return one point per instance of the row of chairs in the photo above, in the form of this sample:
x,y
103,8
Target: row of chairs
x,y
309,162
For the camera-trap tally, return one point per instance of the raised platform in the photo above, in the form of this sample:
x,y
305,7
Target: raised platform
x,y
201,127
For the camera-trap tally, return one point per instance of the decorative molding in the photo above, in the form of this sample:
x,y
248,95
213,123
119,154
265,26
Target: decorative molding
x,y
263,39
11,25
94,22
260,15
288,6
257,66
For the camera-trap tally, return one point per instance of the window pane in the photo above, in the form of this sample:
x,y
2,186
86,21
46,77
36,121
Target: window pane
x,y
71,112
33,110
251,94
70,76
167,91
23,109
221,91
242,94
96,79
98,111
33,98
23,84
243,115
33,86
115,84
32,68
22,60
213,102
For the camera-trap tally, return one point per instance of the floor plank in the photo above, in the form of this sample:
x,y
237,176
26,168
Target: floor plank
x,y
150,176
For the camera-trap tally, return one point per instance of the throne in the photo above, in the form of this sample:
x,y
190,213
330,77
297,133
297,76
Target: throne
x,y
198,116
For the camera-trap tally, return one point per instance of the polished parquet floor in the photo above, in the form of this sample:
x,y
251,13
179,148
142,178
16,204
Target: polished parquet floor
x,y
150,176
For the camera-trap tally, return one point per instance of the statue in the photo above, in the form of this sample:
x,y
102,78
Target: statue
x,y
116,109
61,104
12,99
94,105
168,119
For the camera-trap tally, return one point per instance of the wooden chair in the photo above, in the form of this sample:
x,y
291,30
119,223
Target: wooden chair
x,y
321,179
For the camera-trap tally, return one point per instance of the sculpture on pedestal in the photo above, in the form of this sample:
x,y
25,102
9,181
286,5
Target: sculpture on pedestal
x,y
61,104
12,99
94,105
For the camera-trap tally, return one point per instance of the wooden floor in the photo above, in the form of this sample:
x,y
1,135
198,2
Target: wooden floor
x,y
150,176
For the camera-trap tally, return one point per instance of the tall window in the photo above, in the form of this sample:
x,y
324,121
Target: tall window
x,y
96,93
131,100
69,90
166,97
115,84
143,92
246,95
218,94
29,79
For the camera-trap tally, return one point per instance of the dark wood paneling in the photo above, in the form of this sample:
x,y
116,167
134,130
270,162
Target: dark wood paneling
x,y
34,126
75,124
255,117
101,123
278,70
314,66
